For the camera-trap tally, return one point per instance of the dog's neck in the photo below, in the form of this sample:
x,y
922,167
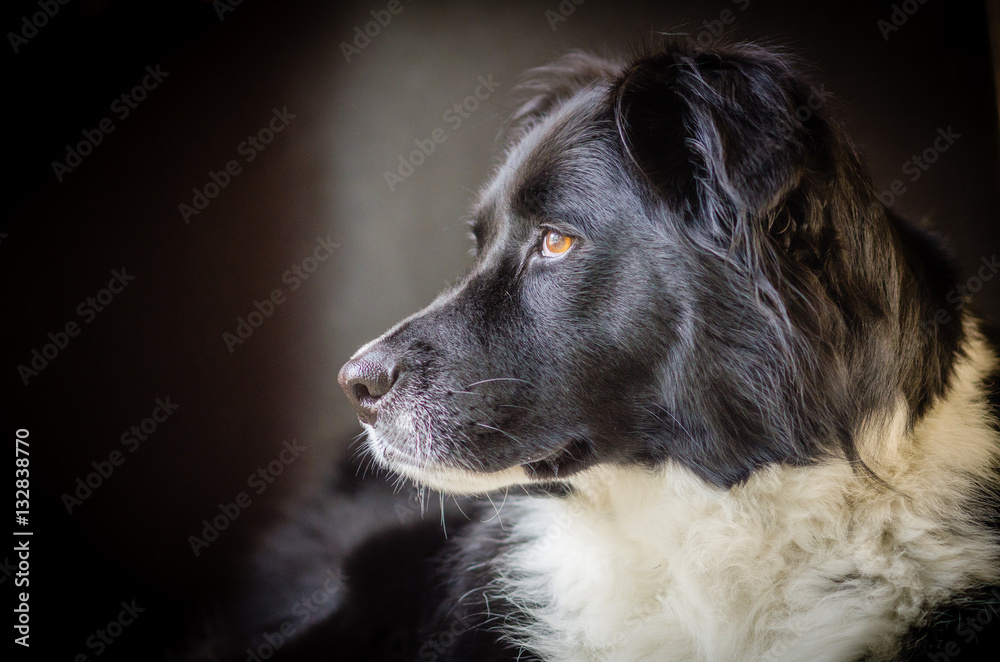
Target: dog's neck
x,y
771,564
952,443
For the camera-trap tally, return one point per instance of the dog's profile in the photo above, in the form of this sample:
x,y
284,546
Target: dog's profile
x,y
703,374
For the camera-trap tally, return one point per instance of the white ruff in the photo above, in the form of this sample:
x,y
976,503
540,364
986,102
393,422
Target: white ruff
x,y
799,563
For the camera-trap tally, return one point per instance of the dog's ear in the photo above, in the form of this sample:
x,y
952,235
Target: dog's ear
x,y
544,88
721,134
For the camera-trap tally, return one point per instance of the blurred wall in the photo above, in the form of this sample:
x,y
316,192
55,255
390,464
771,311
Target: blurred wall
x,y
349,105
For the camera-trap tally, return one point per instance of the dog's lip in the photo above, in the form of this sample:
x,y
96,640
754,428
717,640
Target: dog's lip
x,y
394,456
550,461
401,461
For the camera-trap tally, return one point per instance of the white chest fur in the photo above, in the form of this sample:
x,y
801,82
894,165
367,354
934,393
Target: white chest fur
x,y
804,563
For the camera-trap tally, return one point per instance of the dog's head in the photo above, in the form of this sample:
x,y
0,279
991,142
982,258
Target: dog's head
x,y
678,260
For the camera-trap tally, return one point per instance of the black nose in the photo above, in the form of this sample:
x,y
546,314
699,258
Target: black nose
x,y
366,379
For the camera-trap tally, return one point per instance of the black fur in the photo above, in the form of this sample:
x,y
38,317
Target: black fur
x,y
736,297
774,260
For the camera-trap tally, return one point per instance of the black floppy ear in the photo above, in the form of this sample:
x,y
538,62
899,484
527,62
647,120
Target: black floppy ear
x,y
721,134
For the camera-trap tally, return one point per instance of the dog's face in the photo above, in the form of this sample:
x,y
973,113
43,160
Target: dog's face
x,y
546,356
662,270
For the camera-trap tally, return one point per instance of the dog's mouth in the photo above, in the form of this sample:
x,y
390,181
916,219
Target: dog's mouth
x,y
574,456
570,458
396,459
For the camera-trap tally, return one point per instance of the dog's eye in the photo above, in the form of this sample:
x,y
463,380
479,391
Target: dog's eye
x,y
555,244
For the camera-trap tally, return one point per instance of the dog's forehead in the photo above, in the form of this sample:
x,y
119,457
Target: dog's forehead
x,y
559,165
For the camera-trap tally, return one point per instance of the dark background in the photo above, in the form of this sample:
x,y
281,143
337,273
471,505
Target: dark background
x,y
323,176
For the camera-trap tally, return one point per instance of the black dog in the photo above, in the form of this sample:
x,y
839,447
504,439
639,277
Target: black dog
x,y
713,362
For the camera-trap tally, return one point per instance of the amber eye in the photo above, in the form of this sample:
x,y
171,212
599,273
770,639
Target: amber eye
x,y
555,244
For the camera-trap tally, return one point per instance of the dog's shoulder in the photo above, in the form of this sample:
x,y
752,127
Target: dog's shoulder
x,y
968,627
419,591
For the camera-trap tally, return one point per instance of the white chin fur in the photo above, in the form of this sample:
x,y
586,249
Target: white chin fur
x,y
450,480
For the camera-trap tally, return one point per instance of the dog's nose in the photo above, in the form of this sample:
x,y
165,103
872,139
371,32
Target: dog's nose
x,y
366,379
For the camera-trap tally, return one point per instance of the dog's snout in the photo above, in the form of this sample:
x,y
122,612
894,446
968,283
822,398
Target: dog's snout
x,y
366,379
